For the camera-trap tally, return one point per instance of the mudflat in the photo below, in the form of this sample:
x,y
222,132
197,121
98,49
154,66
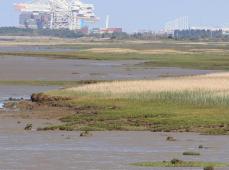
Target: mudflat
x,y
104,150
35,68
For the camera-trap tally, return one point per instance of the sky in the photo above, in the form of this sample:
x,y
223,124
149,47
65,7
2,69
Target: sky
x,y
134,15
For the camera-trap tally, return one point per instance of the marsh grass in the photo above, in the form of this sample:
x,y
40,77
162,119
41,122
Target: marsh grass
x,y
156,105
218,82
184,97
197,90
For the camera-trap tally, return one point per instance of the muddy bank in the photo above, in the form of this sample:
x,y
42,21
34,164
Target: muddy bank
x,y
35,68
116,150
31,111
15,94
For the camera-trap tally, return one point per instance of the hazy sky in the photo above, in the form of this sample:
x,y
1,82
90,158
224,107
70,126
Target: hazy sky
x,y
133,15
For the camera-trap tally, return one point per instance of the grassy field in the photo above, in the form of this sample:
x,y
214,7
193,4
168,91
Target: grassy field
x,y
186,104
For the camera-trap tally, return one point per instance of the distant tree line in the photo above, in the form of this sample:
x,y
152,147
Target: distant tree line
x,y
198,34
63,33
133,36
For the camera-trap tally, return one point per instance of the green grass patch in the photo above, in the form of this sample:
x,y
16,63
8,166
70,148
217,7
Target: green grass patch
x,y
203,61
191,153
181,164
150,115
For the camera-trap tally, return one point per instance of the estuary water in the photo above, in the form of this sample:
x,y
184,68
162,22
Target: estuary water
x,y
104,150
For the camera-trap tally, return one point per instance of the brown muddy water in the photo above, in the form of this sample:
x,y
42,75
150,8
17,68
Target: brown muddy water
x,y
104,150
35,68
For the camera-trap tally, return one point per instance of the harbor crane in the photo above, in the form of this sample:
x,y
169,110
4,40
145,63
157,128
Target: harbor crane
x,y
63,14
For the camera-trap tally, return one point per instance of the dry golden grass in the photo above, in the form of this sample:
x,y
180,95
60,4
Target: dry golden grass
x,y
126,50
218,83
154,51
191,104
209,51
164,51
111,50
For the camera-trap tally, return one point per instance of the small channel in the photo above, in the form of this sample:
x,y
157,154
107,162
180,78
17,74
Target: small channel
x,y
20,92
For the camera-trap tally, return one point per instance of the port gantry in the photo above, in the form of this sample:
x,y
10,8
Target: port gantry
x,y
61,14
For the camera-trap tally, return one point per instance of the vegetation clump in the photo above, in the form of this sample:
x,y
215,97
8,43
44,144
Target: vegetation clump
x,y
29,126
170,138
201,147
58,127
85,134
41,97
191,154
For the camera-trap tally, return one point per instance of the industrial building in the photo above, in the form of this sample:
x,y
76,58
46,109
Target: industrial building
x,y
108,29
56,14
